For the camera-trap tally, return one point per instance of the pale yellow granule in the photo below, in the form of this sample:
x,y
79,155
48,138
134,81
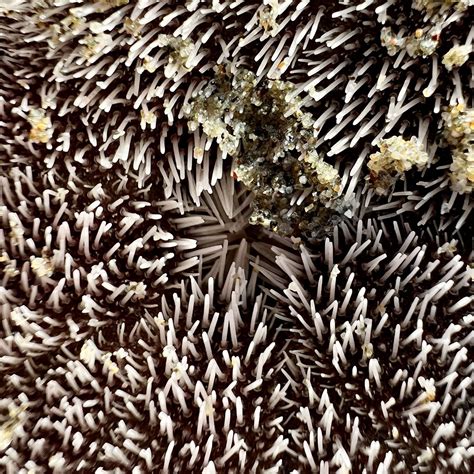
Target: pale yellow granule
x,y
181,50
109,364
95,44
90,354
459,125
327,176
137,288
149,64
456,56
7,428
459,133
429,388
245,175
267,17
396,156
147,118
88,351
9,267
17,232
132,27
462,171
42,266
41,126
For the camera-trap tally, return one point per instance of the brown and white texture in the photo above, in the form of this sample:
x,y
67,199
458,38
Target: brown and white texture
x,y
236,236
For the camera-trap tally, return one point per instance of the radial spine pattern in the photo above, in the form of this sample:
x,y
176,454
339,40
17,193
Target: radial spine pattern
x,y
236,236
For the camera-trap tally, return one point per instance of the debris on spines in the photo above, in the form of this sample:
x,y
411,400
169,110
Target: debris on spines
x,y
425,39
459,134
359,99
147,300
396,156
457,56
181,50
41,127
272,140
